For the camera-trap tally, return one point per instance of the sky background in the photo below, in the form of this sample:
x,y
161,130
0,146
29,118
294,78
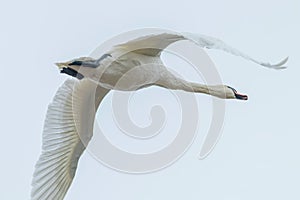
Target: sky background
x,y
258,154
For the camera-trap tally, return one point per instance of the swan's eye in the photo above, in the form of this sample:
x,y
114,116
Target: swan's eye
x,y
77,63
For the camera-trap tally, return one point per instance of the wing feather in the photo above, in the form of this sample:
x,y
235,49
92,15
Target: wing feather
x,y
214,43
153,45
62,144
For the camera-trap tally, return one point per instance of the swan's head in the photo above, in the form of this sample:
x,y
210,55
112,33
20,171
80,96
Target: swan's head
x,y
73,66
225,92
231,93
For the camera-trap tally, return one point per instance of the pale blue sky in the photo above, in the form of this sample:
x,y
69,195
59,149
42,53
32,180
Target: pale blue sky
x,y
258,154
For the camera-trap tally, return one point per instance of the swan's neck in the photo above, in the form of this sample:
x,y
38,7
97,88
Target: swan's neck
x,y
213,90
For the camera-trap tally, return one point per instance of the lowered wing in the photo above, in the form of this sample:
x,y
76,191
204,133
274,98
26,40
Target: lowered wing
x,y
67,130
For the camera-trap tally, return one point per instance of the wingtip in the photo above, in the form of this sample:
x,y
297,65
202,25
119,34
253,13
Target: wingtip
x,y
282,62
60,65
277,66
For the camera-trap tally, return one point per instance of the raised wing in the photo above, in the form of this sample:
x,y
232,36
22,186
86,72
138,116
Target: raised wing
x,y
67,130
153,45
214,43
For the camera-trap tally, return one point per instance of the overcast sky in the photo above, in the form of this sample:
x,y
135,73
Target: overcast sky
x,y
258,154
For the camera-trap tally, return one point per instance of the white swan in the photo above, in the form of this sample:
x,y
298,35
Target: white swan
x,y
70,113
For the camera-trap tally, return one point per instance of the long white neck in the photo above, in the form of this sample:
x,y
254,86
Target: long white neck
x,y
179,84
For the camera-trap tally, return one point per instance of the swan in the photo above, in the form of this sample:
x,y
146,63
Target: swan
x,y
138,67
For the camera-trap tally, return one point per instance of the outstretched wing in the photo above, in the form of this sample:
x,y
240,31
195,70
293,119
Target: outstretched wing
x,y
153,45
214,43
67,130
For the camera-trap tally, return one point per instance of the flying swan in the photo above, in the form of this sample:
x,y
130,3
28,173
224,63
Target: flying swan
x,y
128,67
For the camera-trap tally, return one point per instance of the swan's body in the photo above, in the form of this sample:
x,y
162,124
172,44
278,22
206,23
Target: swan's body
x,y
70,115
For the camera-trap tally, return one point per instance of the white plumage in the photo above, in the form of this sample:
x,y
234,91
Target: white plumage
x,y
69,121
